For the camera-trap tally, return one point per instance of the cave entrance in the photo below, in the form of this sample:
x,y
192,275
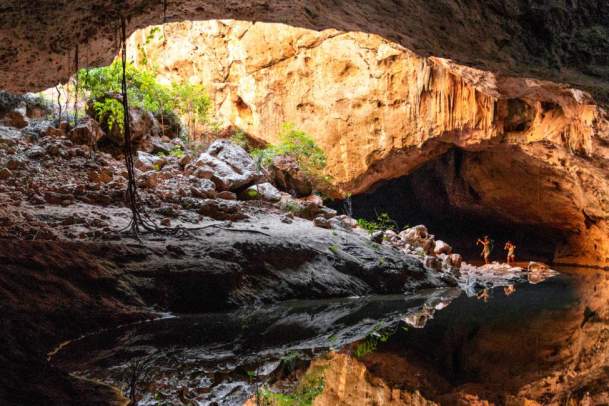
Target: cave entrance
x,y
463,195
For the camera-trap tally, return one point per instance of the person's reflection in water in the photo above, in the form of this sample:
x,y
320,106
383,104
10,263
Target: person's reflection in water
x,y
484,295
509,289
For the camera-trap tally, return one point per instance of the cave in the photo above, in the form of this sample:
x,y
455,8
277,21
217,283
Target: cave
x,y
450,195
247,118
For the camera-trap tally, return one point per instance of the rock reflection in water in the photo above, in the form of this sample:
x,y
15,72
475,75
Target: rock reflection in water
x,y
544,344
227,357
224,357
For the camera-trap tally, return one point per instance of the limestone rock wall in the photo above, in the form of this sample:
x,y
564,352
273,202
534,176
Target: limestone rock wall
x,y
561,40
380,111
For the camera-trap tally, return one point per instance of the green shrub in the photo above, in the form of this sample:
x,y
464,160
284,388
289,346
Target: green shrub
x,y
143,90
310,386
301,147
103,85
175,152
297,144
239,138
111,111
192,102
383,222
372,341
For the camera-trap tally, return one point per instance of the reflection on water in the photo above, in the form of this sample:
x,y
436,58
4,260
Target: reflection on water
x,y
223,357
521,337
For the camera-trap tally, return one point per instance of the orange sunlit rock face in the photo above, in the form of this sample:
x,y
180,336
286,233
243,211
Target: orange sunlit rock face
x,y
380,111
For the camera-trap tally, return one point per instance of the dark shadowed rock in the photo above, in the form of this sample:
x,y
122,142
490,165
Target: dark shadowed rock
x,y
288,176
88,132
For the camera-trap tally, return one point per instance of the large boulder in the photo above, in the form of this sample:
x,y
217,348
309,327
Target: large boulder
x,y
418,236
288,176
147,162
232,167
16,118
442,248
88,132
262,191
169,124
143,125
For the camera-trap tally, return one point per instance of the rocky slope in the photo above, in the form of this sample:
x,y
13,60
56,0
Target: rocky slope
x,y
62,222
528,151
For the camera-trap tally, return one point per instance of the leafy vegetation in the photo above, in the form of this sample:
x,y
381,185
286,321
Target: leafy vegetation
x,y
302,148
372,341
177,152
239,138
192,102
310,386
103,87
383,222
296,144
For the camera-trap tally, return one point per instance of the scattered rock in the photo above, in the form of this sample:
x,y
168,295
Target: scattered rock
x,y
35,152
88,132
434,263
5,173
322,222
264,191
148,162
327,212
288,176
16,118
226,195
442,248
101,175
203,188
419,237
185,160
15,163
231,165
221,209
377,236
203,173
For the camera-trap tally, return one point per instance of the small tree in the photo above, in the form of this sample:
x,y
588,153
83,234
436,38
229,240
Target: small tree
x,y
298,145
192,102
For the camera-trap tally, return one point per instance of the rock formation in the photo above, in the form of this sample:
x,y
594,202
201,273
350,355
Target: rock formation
x,y
562,40
534,151
401,109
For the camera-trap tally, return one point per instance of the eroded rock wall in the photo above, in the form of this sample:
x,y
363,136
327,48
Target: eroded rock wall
x,y
561,40
380,111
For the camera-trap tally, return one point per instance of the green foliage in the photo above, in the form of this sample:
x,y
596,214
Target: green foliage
x,y
191,100
291,207
289,361
252,193
143,89
372,341
301,147
103,86
297,144
310,386
383,222
333,248
239,138
175,152
111,111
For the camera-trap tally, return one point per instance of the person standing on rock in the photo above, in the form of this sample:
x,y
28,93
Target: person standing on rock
x,y
511,252
487,247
